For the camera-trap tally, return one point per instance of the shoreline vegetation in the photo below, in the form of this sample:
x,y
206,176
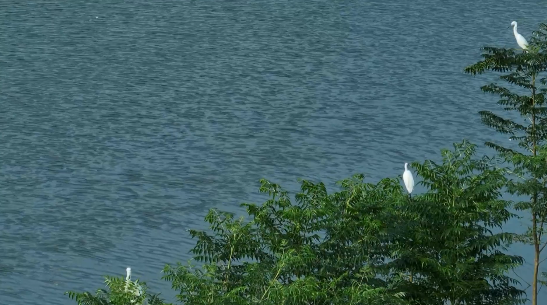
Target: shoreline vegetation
x,y
371,243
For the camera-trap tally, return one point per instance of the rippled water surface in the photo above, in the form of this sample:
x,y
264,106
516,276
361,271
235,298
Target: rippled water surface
x,y
123,122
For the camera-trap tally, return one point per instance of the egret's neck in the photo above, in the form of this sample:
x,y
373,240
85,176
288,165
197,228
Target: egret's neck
x,y
515,29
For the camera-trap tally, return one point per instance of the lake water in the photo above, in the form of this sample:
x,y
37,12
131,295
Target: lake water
x,y
123,122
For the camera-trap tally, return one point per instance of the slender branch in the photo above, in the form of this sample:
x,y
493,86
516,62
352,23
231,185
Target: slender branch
x,y
520,277
232,247
541,249
274,279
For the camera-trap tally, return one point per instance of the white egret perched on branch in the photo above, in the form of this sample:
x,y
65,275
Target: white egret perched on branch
x,y
136,289
408,179
521,41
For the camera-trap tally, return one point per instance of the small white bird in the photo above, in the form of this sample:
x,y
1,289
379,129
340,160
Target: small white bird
x,y
138,291
521,41
408,179
127,278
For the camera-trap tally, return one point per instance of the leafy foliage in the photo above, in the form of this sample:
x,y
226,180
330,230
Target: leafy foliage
x,y
524,70
463,260
365,244
120,292
525,95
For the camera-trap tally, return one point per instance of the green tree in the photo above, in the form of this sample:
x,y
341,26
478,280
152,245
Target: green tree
x,y
120,292
449,244
291,253
523,95
359,245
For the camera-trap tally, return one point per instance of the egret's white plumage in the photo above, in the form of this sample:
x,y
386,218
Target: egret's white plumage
x,y
138,291
521,41
408,179
127,278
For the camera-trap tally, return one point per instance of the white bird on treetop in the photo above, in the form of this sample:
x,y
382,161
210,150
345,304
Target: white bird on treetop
x,y
408,179
521,41
138,289
127,278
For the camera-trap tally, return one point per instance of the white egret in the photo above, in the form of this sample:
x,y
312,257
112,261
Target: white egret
x,y
137,289
408,179
521,41
127,278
